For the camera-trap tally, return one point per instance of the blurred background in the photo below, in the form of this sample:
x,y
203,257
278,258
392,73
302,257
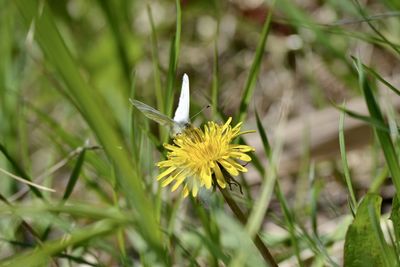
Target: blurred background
x,y
123,49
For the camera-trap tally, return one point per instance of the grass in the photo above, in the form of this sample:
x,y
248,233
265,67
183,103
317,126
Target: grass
x,y
69,68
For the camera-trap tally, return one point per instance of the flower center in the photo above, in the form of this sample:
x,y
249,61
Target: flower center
x,y
204,152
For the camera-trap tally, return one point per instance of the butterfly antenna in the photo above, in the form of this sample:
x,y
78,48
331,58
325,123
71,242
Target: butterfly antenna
x,y
206,107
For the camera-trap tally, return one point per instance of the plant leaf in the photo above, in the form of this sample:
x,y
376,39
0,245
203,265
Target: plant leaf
x,y
395,217
74,175
361,246
255,69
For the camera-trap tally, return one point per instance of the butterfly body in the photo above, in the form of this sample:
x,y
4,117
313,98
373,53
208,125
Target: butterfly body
x,y
181,120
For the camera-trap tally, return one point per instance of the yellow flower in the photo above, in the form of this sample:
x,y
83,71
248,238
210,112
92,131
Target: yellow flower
x,y
198,154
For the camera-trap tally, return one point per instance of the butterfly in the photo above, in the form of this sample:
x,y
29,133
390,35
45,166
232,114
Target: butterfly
x,y
181,120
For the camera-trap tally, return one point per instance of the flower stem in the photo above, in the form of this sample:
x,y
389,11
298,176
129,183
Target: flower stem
x,y
243,219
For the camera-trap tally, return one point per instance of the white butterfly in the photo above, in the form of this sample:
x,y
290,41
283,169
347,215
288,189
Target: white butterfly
x,y
181,120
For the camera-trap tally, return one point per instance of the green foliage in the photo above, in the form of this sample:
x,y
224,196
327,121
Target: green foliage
x,y
364,245
254,70
353,202
74,175
395,217
57,54
383,136
42,257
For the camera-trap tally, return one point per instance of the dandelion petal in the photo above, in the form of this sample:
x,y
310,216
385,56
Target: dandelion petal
x,y
165,173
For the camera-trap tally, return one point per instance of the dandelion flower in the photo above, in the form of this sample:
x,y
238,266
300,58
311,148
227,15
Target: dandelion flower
x,y
196,155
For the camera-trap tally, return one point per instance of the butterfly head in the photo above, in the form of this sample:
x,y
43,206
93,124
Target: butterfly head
x,y
180,127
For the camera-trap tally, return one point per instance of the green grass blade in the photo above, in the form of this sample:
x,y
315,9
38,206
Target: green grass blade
x,y
395,217
111,10
353,201
254,69
74,175
76,210
173,60
314,195
369,120
156,63
256,162
171,75
381,79
42,255
383,136
133,122
379,180
264,138
177,43
257,215
215,83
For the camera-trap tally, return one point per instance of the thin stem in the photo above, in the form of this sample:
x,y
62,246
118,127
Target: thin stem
x,y
243,219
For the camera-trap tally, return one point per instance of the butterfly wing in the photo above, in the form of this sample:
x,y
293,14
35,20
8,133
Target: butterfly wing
x,y
182,112
153,114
